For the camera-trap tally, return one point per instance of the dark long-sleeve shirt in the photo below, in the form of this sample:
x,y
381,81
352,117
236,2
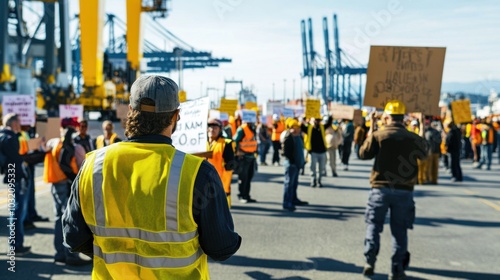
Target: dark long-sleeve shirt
x,y
10,148
210,212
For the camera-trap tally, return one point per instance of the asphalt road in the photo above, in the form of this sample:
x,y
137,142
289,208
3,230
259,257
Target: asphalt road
x,y
456,234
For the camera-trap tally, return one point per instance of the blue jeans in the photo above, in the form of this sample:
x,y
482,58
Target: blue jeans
x,y
317,159
402,207
486,155
290,185
21,200
263,150
60,193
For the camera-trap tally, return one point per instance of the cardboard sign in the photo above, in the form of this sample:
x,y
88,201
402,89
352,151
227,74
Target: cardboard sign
x,y
313,108
121,111
250,105
70,111
358,117
190,135
340,111
49,129
461,112
22,105
249,116
34,144
228,106
410,74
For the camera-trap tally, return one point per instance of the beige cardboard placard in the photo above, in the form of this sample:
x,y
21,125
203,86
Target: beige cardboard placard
x,y
34,144
313,108
460,110
358,117
340,111
41,129
121,111
53,131
412,75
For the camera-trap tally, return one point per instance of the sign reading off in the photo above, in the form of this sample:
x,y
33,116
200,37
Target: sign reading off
x,y
190,135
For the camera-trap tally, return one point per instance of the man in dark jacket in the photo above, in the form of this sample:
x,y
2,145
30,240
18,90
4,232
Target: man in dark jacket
x,y
393,176
433,138
293,151
453,146
16,176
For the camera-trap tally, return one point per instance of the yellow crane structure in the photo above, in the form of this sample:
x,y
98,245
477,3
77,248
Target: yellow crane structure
x,y
100,94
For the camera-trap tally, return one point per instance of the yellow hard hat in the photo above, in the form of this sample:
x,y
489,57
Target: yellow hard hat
x,y
291,123
395,107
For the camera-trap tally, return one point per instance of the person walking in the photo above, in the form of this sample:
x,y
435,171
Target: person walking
x,y
453,143
488,136
278,128
16,176
83,139
315,144
359,136
392,147
62,161
348,137
333,137
222,155
263,142
108,137
293,151
245,140
433,138
143,209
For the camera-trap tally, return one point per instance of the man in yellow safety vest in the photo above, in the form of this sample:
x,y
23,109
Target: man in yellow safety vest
x,y
143,209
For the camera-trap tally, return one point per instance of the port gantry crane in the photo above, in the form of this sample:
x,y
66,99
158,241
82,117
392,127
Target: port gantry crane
x,y
336,78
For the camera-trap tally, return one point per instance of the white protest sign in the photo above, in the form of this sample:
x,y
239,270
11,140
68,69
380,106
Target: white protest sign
x,y
22,105
221,116
249,116
190,135
224,117
70,111
288,113
263,119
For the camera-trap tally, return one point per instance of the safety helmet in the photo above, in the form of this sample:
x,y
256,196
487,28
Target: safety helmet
x,y
395,107
291,123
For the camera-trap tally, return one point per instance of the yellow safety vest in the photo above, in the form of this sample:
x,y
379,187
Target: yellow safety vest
x,y
309,133
137,200
99,142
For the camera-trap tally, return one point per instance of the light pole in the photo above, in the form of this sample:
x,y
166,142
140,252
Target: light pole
x,y
284,91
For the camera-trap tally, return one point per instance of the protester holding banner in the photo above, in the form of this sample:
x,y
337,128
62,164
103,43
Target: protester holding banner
x,y
315,144
392,148
109,136
222,155
246,149
333,137
278,128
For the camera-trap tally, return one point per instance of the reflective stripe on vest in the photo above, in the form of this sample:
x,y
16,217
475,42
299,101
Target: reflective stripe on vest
x,y
122,205
249,143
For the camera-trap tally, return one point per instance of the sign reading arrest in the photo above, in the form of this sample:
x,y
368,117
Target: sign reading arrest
x,y
410,74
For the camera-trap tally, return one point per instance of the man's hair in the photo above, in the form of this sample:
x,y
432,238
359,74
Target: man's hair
x,y
397,118
9,118
106,123
84,122
141,123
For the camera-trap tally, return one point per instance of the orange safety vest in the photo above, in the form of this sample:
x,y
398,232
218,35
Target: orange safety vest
x,y
99,142
23,143
249,143
217,160
476,134
487,135
52,172
277,131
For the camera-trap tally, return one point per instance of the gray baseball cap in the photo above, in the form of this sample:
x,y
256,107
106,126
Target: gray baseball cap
x,y
162,90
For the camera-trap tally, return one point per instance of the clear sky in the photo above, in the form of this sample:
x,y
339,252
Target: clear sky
x,y
263,37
